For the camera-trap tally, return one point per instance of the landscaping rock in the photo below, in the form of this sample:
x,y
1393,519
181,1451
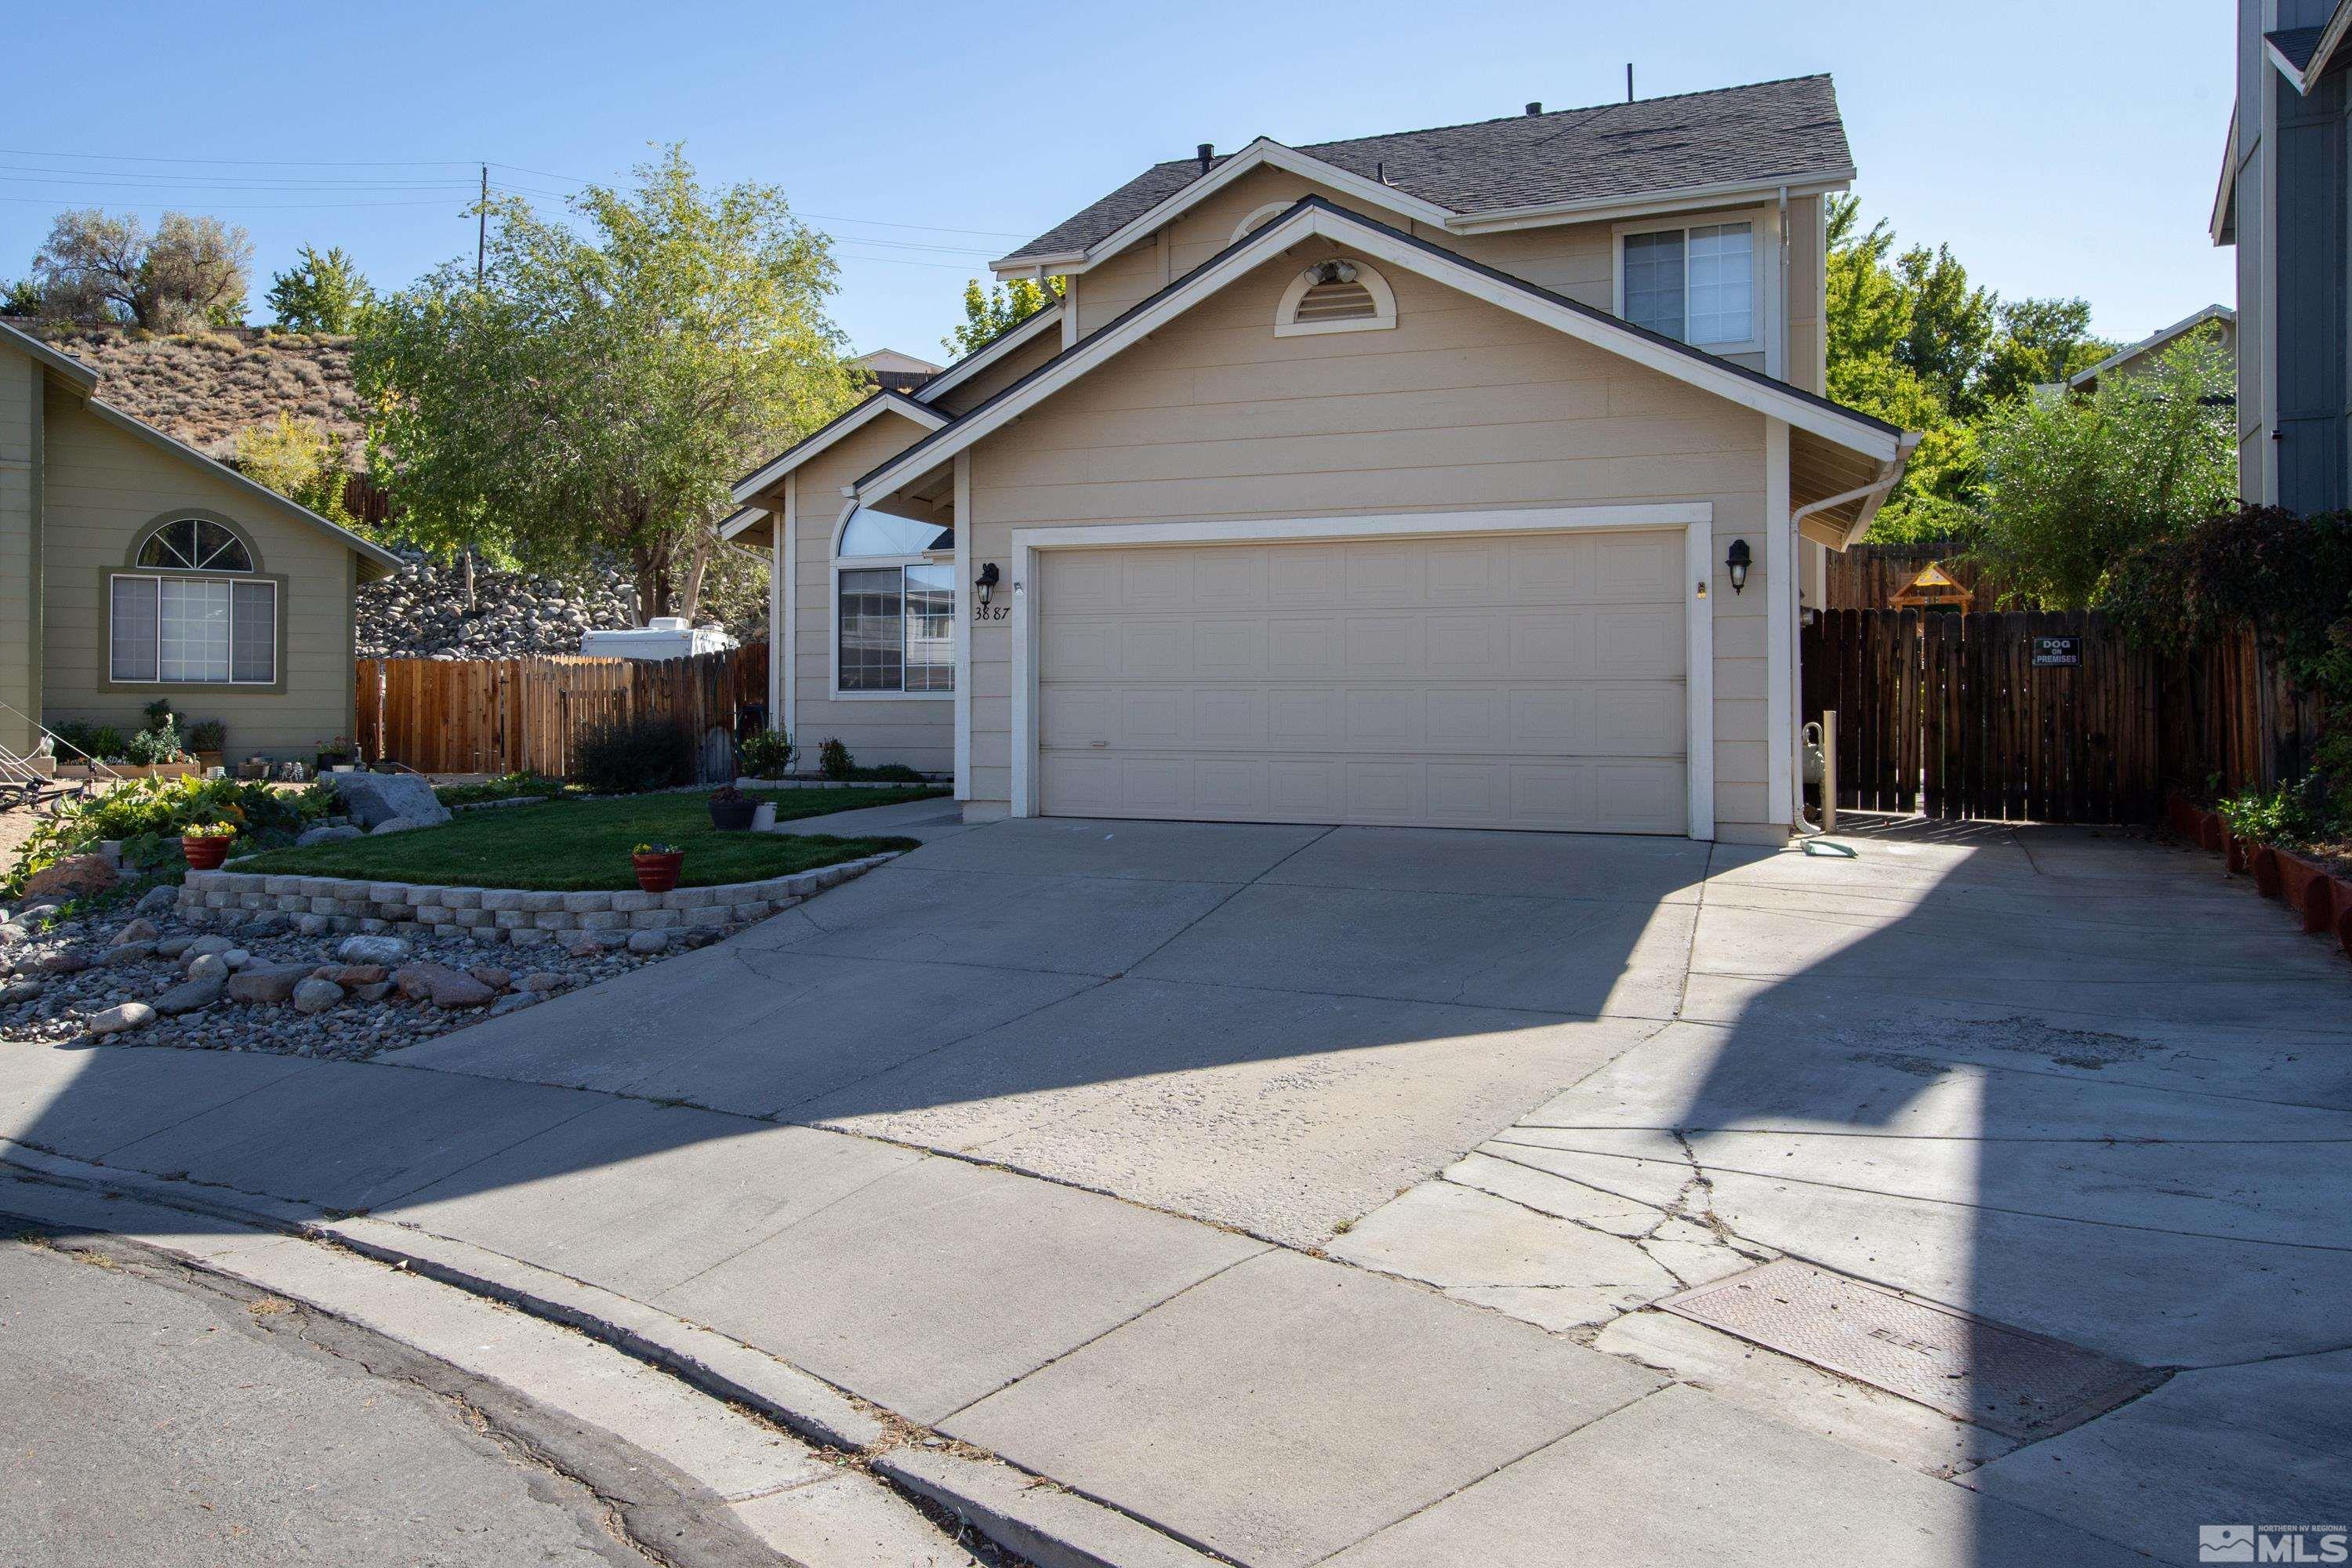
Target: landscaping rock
x,y
189,995
446,988
383,950
71,878
334,833
12,934
65,961
137,930
267,982
396,825
129,1016
155,900
354,973
514,1002
542,981
174,946
21,991
214,945
491,975
237,958
208,966
129,953
374,991
374,798
648,941
316,995
311,925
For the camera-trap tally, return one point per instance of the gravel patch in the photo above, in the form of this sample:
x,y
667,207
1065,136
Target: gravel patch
x,y
258,984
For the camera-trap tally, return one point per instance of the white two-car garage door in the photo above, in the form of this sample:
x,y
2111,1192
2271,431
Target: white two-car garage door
x,y
1528,681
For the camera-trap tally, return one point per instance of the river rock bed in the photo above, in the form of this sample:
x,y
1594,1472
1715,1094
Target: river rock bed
x,y
143,975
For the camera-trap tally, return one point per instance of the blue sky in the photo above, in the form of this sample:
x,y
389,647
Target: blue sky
x,y
2064,147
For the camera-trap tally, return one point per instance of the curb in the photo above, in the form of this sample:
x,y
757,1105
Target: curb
x,y
1021,1511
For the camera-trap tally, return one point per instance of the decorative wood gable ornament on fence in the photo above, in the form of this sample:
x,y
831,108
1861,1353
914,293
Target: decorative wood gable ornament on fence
x,y
1933,589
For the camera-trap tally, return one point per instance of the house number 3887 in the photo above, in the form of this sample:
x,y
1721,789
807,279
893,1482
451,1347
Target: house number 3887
x,y
990,612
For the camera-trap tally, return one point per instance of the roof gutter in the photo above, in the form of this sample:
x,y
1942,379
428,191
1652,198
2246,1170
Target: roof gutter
x,y
1725,193
1873,495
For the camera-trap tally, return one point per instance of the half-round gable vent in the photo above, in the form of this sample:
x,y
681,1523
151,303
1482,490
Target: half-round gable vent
x,y
1336,296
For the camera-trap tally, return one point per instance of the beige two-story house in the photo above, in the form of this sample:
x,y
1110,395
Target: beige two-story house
x,y
1468,476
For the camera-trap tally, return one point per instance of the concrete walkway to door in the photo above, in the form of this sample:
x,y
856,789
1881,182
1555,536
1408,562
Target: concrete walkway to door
x,y
1304,1195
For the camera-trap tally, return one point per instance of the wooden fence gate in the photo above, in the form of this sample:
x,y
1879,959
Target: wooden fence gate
x,y
1981,715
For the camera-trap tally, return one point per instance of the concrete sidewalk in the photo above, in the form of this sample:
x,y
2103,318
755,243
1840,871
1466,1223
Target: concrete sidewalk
x,y
1299,1196
1267,1406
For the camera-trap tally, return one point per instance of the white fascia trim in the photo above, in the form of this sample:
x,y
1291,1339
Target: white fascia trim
x,y
1724,382
1597,210
2153,342
1260,154
1697,519
738,522
2288,68
2225,193
80,376
855,419
1873,494
979,359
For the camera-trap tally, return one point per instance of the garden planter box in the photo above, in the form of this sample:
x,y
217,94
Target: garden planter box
x,y
657,873
2320,898
206,854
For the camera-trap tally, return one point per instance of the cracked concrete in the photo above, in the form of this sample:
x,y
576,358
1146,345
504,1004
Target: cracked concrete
x,y
1089,1116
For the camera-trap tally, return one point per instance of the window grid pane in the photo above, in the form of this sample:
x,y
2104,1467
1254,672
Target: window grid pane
x,y
195,629
1654,281
871,637
132,655
1722,284
930,628
255,653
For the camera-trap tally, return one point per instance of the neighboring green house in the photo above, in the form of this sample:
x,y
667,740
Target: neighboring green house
x,y
133,567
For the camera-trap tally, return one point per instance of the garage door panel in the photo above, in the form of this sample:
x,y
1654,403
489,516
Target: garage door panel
x,y
1527,681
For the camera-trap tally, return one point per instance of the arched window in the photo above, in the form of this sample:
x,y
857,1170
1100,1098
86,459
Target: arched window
x,y
894,604
192,610
196,544
1342,295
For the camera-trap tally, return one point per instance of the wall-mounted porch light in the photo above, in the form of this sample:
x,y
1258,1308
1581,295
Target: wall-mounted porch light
x,y
1737,563
986,583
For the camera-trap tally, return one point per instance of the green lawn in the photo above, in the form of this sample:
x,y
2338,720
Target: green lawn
x,y
582,845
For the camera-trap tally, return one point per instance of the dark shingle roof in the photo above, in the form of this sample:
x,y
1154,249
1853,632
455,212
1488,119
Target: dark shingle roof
x,y
1772,130
2297,43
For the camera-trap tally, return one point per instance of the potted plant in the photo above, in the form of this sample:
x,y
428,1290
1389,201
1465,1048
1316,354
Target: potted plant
x,y
730,809
656,865
335,753
208,738
206,844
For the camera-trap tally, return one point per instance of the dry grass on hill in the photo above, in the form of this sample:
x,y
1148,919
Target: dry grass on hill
x,y
203,387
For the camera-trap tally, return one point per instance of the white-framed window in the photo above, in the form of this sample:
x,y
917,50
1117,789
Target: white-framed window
x,y
1341,295
1698,283
166,628
893,607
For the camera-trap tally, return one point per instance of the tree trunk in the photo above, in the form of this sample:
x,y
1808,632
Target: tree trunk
x,y
698,564
470,601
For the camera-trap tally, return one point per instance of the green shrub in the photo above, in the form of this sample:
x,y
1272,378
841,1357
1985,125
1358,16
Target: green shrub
x,y
148,815
889,772
160,743
78,740
768,753
630,756
833,759
207,735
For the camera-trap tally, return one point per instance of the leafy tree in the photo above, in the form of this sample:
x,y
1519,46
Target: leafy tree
x,y
2041,341
594,397
300,460
2073,484
326,293
21,299
1002,306
189,274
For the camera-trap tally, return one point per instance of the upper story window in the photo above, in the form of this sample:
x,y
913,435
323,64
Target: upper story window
x,y
192,611
1342,295
894,606
1698,284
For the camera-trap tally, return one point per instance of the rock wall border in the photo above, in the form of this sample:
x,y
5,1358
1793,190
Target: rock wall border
x,y
520,917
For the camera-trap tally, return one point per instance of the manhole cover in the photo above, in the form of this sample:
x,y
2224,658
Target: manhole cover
x,y
2015,1383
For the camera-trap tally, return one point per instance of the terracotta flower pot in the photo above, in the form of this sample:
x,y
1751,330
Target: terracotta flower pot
x,y
2180,816
657,873
2310,892
2211,830
206,854
2236,853
734,816
2269,880
2344,914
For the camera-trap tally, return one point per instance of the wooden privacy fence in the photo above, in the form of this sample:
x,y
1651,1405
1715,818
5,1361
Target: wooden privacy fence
x,y
1951,715
513,715
1868,576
